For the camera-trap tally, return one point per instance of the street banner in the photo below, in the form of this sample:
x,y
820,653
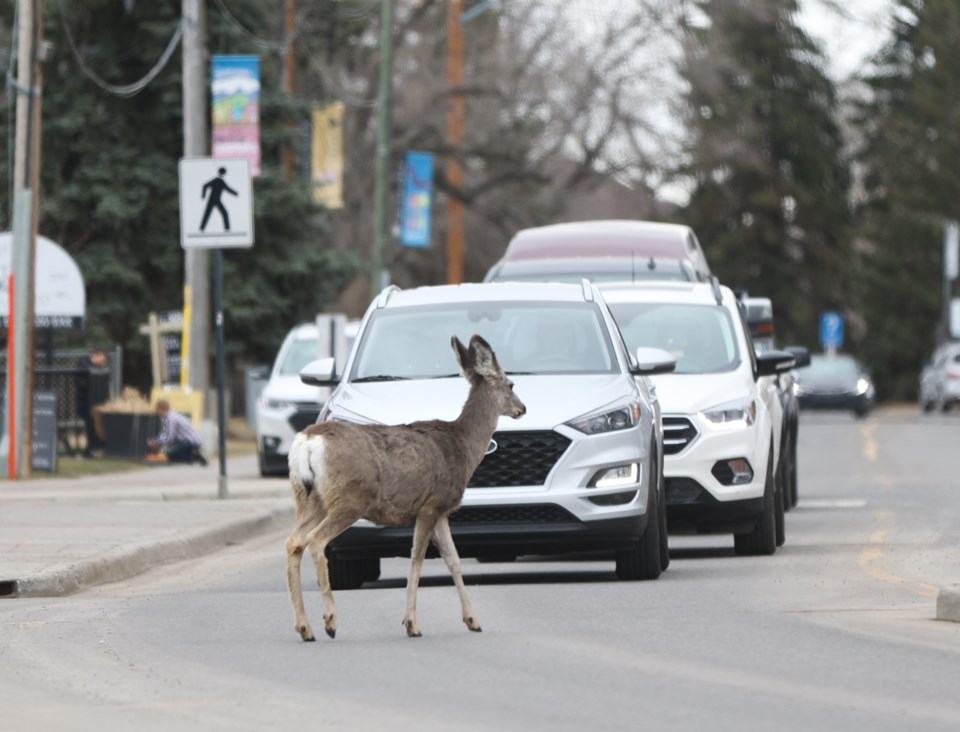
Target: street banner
x,y
417,199
326,159
831,330
236,108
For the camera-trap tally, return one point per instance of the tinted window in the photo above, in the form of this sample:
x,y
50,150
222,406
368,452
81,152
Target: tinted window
x,y
700,337
541,338
301,352
840,368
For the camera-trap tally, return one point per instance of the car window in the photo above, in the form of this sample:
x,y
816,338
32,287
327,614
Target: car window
x,y
301,352
826,367
700,337
528,338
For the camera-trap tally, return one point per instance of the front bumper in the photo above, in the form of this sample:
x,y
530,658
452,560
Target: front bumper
x,y
844,401
691,508
537,529
276,428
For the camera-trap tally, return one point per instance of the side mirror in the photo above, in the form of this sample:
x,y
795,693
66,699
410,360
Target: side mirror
x,y
653,361
800,354
772,363
322,372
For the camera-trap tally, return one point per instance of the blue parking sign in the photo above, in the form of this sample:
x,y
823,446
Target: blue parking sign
x,y
831,329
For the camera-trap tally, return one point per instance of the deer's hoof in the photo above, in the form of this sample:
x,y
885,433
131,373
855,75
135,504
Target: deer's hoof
x,y
330,625
412,630
332,632
473,625
306,633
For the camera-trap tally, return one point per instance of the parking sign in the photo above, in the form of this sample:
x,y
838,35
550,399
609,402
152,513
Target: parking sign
x,y
831,329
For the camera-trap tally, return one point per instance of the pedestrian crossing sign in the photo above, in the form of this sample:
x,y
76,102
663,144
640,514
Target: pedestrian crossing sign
x,y
216,203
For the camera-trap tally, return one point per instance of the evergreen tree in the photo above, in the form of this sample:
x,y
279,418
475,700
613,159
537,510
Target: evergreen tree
x,y
109,188
911,129
770,182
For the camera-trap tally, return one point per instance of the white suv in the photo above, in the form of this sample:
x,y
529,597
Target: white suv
x,y
580,471
721,412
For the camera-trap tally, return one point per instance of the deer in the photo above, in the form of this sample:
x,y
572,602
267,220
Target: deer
x,y
395,476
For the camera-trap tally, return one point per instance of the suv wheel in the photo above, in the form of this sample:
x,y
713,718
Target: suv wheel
x,y
664,546
347,574
642,562
763,539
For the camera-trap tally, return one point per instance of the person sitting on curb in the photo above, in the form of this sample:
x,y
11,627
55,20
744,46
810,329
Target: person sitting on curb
x,y
178,439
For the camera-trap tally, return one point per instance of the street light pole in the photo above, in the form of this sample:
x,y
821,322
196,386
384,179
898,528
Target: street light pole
x,y
382,187
196,293
26,206
455,137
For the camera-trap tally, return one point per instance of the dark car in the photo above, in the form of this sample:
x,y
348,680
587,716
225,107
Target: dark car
x,y
835,382
595,269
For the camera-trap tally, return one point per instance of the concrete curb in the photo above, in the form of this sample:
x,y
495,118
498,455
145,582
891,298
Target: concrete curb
x,y
948,604
126,561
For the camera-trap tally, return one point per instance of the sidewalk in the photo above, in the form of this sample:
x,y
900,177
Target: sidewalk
x,y
58,536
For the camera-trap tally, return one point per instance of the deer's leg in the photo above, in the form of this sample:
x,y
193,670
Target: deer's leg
x,y
296,543
329,529
421,539
444,541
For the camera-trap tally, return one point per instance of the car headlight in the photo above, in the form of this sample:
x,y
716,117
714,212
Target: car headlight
x,y
797,389
742,413
862,386
277,404
622,418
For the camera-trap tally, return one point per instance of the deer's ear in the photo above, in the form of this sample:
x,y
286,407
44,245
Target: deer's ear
x,y
484,357
464,357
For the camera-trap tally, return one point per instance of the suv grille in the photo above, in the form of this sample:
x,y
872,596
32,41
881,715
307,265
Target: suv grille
x,y
546,513
678,433
303,418
521,458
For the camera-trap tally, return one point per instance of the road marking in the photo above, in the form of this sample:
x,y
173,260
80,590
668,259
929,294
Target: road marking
x,y
832,503
869,562
870,449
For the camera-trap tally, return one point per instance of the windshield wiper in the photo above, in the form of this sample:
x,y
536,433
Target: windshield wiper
x,y
379,377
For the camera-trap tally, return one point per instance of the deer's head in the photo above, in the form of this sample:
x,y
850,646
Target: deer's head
x,y
478,363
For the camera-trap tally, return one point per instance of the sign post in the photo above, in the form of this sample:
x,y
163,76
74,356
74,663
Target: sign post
x,y
216,211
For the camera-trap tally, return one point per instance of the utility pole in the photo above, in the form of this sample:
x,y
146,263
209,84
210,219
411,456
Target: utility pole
x,y
382,187
196,294
289,73
30,50
455,139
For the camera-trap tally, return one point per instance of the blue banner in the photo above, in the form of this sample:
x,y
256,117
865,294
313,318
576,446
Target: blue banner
x,y
235,86
417,199
831,329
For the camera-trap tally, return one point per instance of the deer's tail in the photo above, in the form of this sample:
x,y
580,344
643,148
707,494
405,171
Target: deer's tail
x,y
300,461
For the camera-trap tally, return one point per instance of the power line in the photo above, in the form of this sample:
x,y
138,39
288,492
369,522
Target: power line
x,y
121,90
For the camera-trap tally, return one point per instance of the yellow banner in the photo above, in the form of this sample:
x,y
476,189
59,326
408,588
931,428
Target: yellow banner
x,y
327,158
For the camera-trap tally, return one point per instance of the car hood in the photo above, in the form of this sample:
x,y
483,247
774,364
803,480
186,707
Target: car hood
x,y
691,393
550,400
289,388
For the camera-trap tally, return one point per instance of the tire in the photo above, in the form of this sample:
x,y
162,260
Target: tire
x,y
762,540
794,482
347,574
664,544
371,569
780,507
927,407
642,562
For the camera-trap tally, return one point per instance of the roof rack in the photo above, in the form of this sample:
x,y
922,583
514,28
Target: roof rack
x,y
715,285
587,289
385,294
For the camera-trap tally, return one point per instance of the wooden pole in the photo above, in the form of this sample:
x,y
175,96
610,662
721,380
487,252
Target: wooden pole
x,y
455,123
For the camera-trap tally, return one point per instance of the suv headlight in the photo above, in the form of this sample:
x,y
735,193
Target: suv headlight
x,y
741,413
611,420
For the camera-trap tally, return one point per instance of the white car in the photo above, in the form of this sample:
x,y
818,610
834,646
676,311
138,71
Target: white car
x,y
287,405
940,379
580,471
721,411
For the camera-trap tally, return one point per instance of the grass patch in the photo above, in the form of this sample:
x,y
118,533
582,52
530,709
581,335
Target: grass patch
x,y
75,467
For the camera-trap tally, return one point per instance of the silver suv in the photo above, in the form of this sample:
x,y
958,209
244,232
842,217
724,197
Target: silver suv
x,y
582,469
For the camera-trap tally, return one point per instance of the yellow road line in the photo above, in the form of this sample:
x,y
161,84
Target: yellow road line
x,y
869,562
870,449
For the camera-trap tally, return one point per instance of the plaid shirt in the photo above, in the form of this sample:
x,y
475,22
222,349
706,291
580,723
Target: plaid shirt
x,y
177,429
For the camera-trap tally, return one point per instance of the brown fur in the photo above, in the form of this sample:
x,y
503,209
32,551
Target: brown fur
x,y
394,476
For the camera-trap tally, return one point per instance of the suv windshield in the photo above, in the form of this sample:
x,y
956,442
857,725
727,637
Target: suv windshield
x,y
301,352
700,337
830,368
528,338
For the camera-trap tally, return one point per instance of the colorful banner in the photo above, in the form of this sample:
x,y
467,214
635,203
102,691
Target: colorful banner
x,y
417,199
236,109
326,159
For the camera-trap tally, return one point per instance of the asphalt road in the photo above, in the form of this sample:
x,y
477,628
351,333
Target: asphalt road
x,y
835,632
